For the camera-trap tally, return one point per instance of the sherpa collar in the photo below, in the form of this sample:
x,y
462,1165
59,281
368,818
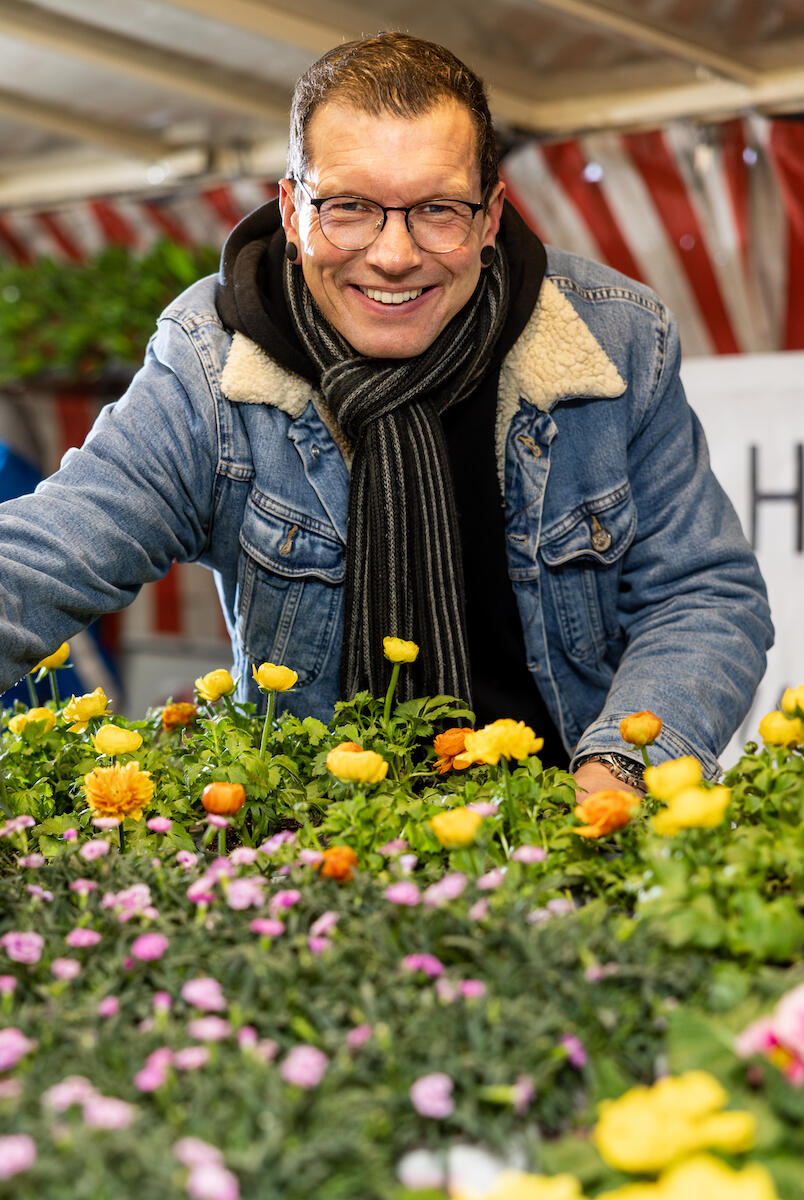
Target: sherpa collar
x,y
556,357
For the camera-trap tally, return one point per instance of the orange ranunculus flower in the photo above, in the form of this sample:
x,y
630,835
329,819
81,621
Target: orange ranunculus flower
x,y
447,746
605,811
776,729
118,791
178,715
338,862
81,709
223,798
55,660
18,723
271,677
641,728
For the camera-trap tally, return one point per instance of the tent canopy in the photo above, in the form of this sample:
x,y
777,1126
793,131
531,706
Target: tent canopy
x,y
129,95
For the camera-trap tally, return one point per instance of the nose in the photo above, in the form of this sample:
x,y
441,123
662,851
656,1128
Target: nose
x,y
394,250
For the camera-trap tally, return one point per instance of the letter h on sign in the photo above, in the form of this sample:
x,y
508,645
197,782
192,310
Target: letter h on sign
x,y
796,497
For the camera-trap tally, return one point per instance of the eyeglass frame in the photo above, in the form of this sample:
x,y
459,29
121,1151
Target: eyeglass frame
x,y
317,201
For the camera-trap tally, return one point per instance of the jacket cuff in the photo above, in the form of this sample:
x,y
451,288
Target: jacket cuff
x,y
603,737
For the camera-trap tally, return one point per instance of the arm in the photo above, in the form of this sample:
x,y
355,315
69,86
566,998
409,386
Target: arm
x,y
692,602
135,497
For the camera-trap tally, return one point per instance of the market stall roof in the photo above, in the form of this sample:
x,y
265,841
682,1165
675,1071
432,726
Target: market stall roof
x,y
130,94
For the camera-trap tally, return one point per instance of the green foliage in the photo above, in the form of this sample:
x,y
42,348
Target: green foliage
x,y
81,322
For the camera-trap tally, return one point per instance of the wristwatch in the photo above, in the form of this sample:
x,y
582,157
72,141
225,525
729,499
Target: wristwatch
x,y
626,769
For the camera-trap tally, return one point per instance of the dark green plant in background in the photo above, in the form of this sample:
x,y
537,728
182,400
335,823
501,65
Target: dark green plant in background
x,y
88,321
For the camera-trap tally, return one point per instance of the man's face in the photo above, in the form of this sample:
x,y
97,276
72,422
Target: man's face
x,y
393,161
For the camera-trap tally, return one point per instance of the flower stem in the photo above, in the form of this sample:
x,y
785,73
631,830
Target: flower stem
x,y
54,687
269,720
121,837
506,782
32,696
222,842
389,695
645,758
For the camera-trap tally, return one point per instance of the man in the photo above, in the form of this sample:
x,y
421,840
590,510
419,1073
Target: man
x,y
395,413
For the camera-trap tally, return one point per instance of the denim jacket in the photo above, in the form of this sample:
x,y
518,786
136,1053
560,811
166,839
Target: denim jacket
x,y
635,586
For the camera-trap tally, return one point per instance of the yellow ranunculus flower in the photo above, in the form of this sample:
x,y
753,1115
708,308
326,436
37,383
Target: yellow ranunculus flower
x,y
397,650
57,659
119,790
650,1128
505,738
641,728
111,739
693,808
81,709
18,723
214,684
272,678
456,827
633,1191
673,776
793,702
521,1185
704,1175
776,729
356,766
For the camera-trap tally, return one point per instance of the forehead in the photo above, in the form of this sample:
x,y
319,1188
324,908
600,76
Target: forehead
x,y
358,152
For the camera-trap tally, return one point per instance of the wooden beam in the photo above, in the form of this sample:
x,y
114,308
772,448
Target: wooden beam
x,y
655,36
301,29
81,128
220,88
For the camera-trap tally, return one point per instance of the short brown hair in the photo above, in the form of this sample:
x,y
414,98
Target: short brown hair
x,y
392,73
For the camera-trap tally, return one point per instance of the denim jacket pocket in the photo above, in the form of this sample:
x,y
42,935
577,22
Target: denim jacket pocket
x,y
289,598
583,553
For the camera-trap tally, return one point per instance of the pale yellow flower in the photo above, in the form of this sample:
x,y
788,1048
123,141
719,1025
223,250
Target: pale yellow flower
x,y
57,659
793,702
693,808
111,740
272,678
18,723
505,738
456,827
776,729
355,765
650,1128
397,650
521,1185
673,776
706,1176
119,790
214,684
81,709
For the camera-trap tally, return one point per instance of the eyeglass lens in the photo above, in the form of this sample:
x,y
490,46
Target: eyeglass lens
x,y
353,224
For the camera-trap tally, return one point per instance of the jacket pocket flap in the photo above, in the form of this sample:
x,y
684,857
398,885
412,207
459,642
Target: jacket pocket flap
x,y
600,529
290,543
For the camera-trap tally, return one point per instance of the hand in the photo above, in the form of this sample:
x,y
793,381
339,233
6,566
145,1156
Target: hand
x,y
596,777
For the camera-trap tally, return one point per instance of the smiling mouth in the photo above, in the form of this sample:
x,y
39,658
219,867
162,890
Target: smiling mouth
x,y
391,298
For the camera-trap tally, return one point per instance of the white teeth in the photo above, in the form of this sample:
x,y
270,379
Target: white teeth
x,y
391,297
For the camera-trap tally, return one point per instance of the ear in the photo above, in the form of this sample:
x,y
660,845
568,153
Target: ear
x,y
491,221
287,207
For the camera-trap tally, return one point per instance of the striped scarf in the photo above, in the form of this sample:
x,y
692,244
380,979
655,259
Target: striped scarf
x,y
404,575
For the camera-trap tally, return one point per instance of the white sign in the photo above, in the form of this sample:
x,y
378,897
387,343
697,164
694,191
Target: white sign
x,y
752,409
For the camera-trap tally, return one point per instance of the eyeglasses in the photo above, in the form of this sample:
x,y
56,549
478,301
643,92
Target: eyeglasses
x,y
353,223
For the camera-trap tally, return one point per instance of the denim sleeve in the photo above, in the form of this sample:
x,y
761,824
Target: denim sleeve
x,y
693,604
136,496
